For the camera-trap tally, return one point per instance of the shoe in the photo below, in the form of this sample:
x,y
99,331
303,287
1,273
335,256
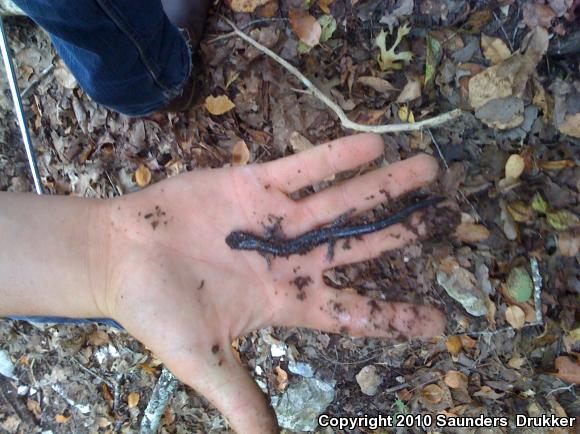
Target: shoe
x,y
190,93
189,15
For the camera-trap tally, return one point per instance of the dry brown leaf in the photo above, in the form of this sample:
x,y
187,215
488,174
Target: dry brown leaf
x,y
305,26
281,379
411,91
510,77
468,343
456,379
569,244
300,143
454,345
537,14
143,176
568,369
61,418
324,5
571,125
376,83
471,232
488,393
557,165
240,153
520,211
34,407
218,105
133,399
494,49
514,166
516,362
245,5
515,316
432,393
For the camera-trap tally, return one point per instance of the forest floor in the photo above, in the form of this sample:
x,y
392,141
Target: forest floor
x,y
511,161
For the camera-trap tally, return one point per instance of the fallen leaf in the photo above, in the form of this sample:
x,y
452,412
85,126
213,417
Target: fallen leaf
x,y
281,379
514,166
240,153
406,115
515,316
218,105
520,212
571,125
306,27
487,393
494,49
299,143
245,5
456,379
432,393
519,284
569,244
516,362
539,204
389,59
557,165
376,83
143,176
328,27
64,77
468,342
471,232
324,5
61,418
432,58
537,14
568,369
133,399
34,407
462,286
410,92
562,220
454,345
510,77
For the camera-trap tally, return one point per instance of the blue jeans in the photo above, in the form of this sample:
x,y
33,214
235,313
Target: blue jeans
x,y
125,54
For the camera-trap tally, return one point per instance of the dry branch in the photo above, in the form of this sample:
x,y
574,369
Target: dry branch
x,y
346,122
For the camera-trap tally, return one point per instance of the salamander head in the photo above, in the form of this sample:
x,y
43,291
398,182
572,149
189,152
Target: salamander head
x,y
241,240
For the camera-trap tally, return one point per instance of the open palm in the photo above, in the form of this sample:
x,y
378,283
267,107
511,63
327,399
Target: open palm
x,y
176,286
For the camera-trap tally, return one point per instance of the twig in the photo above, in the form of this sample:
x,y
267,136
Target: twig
x,y
346,122
40,77
164,389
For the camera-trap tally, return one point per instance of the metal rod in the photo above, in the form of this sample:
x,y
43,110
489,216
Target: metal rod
x,y
19,110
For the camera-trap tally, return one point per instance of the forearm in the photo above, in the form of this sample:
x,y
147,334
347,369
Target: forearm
x,y
53,255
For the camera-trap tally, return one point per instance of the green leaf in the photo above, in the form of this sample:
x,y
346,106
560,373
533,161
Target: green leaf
x,y
539,204
389,59
562,220
432,59
520,285
328,25
303,48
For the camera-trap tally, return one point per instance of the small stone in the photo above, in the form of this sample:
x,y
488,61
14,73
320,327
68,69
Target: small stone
x,y
369,380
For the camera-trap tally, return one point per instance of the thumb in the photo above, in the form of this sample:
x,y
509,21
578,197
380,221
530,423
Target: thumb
x,y
231,389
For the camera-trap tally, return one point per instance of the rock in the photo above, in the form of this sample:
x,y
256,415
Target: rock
x,y
369,380
299,407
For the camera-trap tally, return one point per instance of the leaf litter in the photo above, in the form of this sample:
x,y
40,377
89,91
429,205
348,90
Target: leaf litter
x,y
520,122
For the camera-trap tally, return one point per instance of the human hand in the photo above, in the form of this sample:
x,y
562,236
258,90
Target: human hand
x,y
175,285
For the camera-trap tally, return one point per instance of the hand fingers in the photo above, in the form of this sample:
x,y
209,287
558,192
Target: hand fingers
x,y
366,191
351,250
337,311
306,168
231,389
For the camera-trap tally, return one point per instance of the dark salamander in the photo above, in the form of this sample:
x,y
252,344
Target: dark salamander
x,y
239,240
